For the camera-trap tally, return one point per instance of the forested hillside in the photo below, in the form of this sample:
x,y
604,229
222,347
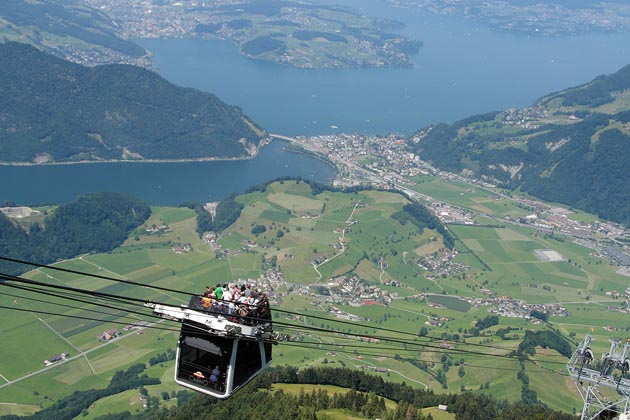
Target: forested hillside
x,y
364,399
570,147
54,110
96,222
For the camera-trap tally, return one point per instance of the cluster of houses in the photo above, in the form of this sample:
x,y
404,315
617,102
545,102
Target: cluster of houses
x,y
526,117
436,321
516,308
108,335
153,229
210,238
548,217
340,314
442,263
356,292
182,249
452,215
104,336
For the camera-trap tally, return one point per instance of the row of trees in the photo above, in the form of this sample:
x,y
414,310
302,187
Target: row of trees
x,y
422,217
227,212
365,397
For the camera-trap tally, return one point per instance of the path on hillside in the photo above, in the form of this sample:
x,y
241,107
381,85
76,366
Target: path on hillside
x,y
342,354
380,277
435,282
412,312
67,341
342,245
81,257
383,367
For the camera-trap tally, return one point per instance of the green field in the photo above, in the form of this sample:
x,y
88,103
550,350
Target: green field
x,y
471,197
331,235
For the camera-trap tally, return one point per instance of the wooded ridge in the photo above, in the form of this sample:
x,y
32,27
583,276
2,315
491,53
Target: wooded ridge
x,y
57,111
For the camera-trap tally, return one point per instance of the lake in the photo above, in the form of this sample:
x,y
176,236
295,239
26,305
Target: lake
x,y
462,69
168,183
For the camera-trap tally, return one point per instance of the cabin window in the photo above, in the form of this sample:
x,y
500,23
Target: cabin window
x,y
203,359
248,361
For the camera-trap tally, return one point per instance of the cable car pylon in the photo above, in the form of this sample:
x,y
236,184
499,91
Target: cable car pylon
x,y
606,389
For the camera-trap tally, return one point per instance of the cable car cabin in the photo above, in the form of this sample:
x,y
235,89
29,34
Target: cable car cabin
x,y
217,352
218,365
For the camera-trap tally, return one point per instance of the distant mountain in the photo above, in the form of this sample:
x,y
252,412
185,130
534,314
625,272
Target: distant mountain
x,y
53,110
67,28
570,147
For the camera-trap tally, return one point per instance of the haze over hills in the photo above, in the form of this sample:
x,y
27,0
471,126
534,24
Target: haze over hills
x,y
58,111
569,147
69,29
535,17
297,34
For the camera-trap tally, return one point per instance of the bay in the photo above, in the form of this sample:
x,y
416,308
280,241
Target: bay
x,y
463,69
163,183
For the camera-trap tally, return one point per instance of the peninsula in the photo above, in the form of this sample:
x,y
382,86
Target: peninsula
x,y
292,33
534,17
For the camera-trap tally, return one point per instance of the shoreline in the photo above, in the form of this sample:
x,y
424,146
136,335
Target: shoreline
x,y
82,162
85,162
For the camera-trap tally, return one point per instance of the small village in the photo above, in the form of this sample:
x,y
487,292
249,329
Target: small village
x,y
386,162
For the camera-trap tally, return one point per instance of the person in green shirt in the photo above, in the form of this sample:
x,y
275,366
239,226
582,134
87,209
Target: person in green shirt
x,y
219,292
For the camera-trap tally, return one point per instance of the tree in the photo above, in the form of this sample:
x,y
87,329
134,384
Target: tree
x,y
258,229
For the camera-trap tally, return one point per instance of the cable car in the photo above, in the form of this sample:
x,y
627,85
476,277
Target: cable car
x,y
217,352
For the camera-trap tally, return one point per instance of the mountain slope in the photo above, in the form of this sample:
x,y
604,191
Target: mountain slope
x,y
54,110
69,29
95,222
570,147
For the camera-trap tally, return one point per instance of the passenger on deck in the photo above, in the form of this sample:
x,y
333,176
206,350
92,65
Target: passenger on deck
x,y
263,310
227,300
207,292
236,293
227,294
218,292
206,302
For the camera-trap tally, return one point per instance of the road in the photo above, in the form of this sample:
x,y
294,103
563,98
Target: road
x,y
77,356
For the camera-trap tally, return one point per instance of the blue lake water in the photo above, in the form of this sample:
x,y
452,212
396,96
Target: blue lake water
x,y
462,69
168,183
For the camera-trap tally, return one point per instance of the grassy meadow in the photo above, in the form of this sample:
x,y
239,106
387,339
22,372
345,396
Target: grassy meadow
x,y
313,238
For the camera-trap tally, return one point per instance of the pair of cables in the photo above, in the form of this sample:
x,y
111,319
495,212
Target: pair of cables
x,y
128,310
